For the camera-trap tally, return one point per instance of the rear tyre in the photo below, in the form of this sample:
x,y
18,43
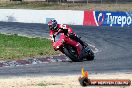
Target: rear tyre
x,y
71,52
90,56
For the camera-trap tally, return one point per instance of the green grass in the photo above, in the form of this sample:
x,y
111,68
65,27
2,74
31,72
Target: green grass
x,y
65,6
18,47
41,84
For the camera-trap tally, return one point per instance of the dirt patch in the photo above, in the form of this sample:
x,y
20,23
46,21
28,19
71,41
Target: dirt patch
x,y
69,81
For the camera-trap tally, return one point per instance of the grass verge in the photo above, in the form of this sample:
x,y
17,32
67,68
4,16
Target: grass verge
x,y
65,6
18,47
42,84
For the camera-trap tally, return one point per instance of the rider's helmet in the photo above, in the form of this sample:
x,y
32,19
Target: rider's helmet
x,y
52,25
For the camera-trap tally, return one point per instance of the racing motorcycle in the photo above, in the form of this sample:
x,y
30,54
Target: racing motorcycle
x,y
60,42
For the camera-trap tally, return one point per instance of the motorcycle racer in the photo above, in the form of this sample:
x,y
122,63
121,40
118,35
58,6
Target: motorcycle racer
x,y
56,28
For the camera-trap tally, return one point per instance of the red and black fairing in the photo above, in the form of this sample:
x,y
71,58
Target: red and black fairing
x,y
71,47
62,39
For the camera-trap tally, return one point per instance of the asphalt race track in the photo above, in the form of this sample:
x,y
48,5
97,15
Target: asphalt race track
x,y
114,45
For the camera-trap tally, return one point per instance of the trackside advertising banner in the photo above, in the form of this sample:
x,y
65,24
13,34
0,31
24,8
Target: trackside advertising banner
x,y
72,17
108,18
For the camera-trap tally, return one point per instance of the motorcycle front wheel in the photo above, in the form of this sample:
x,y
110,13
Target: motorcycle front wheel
x,y
71,52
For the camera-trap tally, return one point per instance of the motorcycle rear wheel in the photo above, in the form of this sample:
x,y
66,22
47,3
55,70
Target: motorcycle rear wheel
x,y
90,56
71,52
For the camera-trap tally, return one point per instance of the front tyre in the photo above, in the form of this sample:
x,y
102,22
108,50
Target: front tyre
x,y
71,52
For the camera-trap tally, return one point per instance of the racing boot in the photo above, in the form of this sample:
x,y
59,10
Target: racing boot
x,y
82,43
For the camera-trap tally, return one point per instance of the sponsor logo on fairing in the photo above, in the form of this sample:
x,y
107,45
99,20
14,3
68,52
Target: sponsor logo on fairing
x,y
106,18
